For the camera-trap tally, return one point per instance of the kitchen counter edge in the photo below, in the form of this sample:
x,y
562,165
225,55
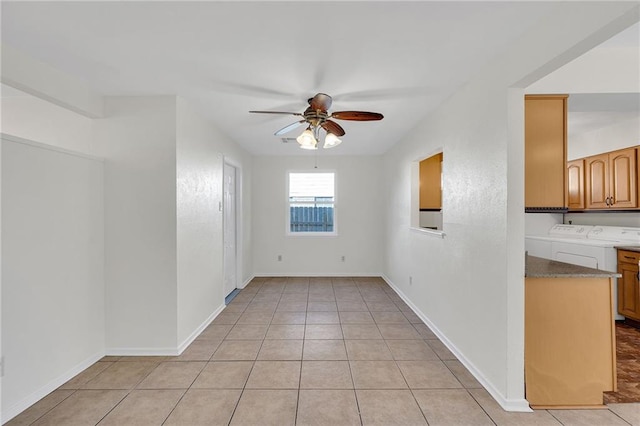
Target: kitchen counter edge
x,y
537,267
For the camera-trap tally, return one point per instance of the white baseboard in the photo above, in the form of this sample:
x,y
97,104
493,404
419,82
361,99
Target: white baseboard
x,y
10,412
200,328
520,405
315,274
246,282
142,352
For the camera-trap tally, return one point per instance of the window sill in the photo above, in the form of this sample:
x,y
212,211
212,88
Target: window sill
x,y
312,234
434,233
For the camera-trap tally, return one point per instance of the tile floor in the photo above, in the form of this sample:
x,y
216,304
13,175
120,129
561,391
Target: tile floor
x,y
628,365
306,351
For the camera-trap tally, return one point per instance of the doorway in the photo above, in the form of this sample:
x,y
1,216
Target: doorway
x,y
230,233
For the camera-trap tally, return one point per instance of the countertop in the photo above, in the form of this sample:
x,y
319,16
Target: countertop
x,y
537,267
629,248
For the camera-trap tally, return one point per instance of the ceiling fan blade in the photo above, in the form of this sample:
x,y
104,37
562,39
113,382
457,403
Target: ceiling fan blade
x,y
289,128
321,102
333,127
276,112
357,115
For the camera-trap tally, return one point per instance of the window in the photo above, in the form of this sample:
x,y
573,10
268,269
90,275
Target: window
x,y
311,203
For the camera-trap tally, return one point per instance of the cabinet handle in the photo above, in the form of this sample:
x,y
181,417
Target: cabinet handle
x,y
606,201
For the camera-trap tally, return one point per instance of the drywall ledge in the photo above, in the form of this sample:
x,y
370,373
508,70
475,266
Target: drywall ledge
x,y
429,232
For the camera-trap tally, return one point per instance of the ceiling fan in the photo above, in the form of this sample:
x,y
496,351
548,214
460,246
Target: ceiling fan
x,y
317,116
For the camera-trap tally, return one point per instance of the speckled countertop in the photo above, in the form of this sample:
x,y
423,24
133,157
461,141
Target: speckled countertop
x,y
537,267
629,248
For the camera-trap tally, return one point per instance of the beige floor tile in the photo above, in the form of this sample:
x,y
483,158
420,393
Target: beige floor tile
x,y
348,317
389,407
298,288
326,375
428,375
377,375
143,407
285,331
204,407
387,317
323,318
441,350
247,332
322,297
289,318
587,418
227,317
223,375
84,407
237,350
410,315
266,408
110,358
262,306
352,306
40,408
324,350
323,331
236,306
322,307
121,375
629,412
283,350
81,379
274,375
424,331
387,306
367,350
295,297
450,407
361,331
505,418
462,374
292,306
398,331
173,375
215,332
198,350
255,318
327,408
411,350
137,358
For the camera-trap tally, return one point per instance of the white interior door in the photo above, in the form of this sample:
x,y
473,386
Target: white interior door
x,y
230,230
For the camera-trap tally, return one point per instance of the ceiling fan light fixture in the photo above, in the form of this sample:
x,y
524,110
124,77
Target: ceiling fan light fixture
x,y
307,140
331,141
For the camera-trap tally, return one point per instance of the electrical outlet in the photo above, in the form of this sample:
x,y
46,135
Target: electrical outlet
x,y
342,258
410,280
279,258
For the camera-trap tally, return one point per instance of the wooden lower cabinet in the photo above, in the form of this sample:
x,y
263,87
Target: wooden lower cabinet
x,y
570,349
628,284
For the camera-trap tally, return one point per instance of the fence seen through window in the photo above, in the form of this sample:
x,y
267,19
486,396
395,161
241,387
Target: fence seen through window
x,y
312,202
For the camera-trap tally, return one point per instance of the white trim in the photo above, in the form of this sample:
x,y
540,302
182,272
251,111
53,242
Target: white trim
x,y
519,405
315,274
16,139
142,352
28,401
430,232
247,281
201,327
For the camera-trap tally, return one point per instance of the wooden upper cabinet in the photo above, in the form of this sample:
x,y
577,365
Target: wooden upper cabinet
x,y
575,184
612,180
431,183
545,151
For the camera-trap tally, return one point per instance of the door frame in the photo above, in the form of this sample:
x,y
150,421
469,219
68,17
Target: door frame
x,y
239,216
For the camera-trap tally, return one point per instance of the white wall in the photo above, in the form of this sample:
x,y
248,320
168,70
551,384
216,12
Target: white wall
x,y
138,141
201,150
610,138
470,285
52,269
35,119
359,213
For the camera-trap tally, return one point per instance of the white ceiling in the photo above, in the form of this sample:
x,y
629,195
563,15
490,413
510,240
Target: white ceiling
x,y
226,58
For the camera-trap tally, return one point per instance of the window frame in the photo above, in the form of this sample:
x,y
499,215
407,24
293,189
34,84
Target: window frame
x,y
322,234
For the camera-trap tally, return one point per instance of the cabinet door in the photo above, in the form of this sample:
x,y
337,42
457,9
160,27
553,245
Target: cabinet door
x,y
545,151
575,184
623,179
628,291
597,181
430,182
